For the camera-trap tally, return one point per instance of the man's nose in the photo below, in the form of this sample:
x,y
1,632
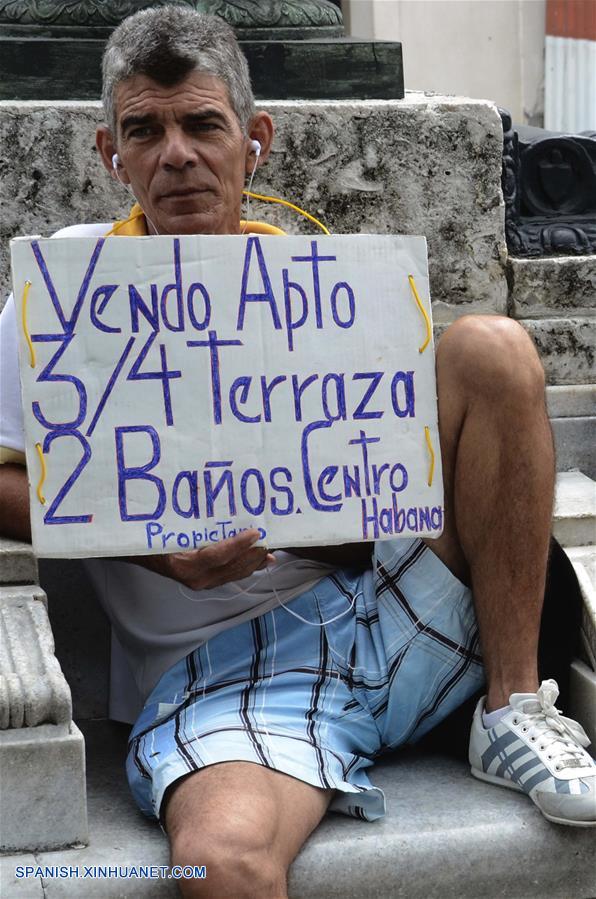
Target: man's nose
x,y
177,151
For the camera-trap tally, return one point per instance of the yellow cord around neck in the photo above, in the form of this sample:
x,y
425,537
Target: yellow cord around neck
x,y
134,225
307,215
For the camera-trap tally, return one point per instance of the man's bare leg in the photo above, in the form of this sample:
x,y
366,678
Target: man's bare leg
x,y
498,468
245,823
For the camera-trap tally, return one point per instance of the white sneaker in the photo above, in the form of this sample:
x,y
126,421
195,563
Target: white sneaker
x,y
534,749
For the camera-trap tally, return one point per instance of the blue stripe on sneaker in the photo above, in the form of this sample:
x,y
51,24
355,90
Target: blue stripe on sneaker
x,y
508,760
497,746
527,766
564,786
532,782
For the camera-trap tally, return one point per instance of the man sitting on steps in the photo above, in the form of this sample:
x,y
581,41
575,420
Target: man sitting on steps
x,y
234,670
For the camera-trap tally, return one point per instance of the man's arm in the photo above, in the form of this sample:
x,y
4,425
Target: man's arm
x,y
15,520
229,560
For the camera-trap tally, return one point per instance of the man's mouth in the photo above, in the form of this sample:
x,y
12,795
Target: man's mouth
x,y
183,192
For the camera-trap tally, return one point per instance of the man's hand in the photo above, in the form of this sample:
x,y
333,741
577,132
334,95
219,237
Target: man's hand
x,y
201,569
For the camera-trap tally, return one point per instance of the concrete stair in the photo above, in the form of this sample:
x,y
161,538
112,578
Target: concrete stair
x,y
574,517
583,671
572,411
574,525
444,835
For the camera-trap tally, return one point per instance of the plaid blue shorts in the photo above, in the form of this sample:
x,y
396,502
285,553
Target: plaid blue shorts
x,y
318,703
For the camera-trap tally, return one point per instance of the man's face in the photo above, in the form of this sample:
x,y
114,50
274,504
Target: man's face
x,y
183,152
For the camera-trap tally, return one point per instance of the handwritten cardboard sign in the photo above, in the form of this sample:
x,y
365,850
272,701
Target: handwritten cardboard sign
x,y
178,389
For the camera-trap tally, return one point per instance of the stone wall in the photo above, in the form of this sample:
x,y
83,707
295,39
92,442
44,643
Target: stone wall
x,y
423,165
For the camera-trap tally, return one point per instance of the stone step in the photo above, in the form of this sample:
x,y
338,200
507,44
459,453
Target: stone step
x,y
445,834
552,286
575,443
572,411
583,559
566,347
574,518
571,400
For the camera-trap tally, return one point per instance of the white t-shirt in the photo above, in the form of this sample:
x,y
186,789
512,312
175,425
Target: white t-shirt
x,y
155,621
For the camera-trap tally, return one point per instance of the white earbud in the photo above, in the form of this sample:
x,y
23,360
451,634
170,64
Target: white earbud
x,y
255,146
115,165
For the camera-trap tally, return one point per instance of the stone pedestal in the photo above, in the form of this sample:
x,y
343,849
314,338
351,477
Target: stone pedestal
x,y
42,752
43,788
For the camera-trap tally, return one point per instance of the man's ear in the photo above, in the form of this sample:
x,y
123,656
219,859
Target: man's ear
x,y
104,141
261,128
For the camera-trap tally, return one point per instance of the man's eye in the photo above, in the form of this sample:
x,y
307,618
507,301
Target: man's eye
x,y
142,131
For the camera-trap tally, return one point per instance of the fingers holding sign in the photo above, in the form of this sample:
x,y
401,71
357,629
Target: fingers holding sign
x,y
228,560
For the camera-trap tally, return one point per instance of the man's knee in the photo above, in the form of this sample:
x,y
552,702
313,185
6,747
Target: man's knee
x,y
493,356
239,862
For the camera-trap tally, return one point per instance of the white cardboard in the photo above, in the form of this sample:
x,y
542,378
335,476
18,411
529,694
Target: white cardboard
x,y
349,323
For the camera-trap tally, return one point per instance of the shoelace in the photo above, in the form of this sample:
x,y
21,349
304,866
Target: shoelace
x,y
548,722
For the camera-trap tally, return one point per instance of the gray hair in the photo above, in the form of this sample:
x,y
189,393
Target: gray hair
x,y
166,43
